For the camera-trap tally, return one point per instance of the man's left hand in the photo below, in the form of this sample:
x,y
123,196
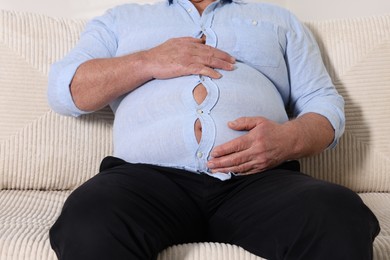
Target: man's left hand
x,y
265,146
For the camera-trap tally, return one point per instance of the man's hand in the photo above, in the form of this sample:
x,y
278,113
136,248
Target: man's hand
x,y
174,58
268,144
185,56
263,147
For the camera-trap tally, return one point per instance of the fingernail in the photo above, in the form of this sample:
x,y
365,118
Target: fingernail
x,y
210,165
216,75
232,123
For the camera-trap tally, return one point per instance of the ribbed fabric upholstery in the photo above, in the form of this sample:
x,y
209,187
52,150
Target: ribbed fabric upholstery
x,y
39,149
357,54
43,156
380,205
212,251
25,218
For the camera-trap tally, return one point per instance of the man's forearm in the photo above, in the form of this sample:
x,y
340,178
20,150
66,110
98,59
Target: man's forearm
x,y
97,82
268,144
312,133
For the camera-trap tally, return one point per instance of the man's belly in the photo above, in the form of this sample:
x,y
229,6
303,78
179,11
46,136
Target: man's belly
x,y
177,122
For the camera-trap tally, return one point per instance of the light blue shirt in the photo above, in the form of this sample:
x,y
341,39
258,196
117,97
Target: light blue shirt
x,y
278,67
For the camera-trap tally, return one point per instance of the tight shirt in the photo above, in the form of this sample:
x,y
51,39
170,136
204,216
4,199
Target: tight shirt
x,y
278,68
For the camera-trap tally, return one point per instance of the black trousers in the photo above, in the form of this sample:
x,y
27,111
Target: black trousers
x,y
134,211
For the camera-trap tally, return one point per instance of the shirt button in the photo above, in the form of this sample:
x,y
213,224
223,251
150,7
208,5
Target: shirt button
x,y
199,155
199,111
189,10
254,22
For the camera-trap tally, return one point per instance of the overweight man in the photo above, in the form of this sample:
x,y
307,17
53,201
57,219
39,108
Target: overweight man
x,y
204,149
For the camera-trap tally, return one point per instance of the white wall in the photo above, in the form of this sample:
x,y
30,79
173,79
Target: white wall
x,y
304,9
62,8
333,9
77,8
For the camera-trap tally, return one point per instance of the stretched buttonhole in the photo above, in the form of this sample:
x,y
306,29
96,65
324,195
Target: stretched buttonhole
x,y
198,130
199,93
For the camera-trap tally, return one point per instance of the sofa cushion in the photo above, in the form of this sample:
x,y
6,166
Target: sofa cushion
x,y
25,220
26,217
40,150
379,203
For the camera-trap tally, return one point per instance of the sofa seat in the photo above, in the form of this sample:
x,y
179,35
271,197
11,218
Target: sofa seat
x,y
379,203
26,217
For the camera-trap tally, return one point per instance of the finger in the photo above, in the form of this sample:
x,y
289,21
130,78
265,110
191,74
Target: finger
x,y
204,70
245,123
228,163
212,62
234,146
198,65
245,168
213,57
229,160
209,51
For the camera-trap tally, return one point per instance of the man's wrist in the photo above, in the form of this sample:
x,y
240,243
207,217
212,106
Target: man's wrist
x,y
310,134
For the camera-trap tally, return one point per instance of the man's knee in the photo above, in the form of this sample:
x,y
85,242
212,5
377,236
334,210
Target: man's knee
x,y
83,213
95,219
333,201
335,216
333,205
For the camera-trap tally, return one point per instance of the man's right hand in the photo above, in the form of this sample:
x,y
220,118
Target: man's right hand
x,y
174,58
186,56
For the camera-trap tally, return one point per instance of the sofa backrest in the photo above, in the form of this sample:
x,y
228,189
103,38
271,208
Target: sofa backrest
x,y
356,53
40,150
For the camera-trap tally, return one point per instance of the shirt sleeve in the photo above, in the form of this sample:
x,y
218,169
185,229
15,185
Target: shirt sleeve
x,y
97,41
311,86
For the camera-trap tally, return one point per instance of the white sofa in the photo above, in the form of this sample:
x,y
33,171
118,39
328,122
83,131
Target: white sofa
x,y
44,156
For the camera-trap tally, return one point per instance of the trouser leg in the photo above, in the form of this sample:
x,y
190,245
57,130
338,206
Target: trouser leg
x,y
126,212
287,215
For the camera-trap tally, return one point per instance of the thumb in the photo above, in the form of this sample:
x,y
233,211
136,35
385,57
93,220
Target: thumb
x,y
244,123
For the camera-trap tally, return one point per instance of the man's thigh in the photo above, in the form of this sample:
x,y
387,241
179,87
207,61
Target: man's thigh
x,y
281,212
140,206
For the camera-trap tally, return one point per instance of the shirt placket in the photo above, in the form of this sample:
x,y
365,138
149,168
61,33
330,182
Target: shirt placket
x,y
203,111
